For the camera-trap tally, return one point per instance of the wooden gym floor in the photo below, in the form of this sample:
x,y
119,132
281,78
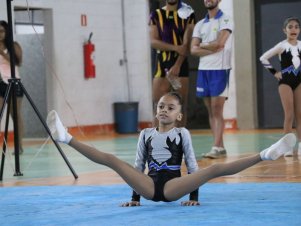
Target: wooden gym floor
x,y
41,163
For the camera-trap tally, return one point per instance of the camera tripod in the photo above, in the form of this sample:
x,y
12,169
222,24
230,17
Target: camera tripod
x,y
11,98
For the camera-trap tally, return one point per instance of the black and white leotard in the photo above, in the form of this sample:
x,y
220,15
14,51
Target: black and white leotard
x,y
290,61
163,153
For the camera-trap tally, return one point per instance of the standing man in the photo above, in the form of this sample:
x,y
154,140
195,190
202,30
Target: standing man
x,y
212,42
170,35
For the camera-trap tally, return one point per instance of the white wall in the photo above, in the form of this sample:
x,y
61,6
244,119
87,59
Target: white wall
x,y
91,100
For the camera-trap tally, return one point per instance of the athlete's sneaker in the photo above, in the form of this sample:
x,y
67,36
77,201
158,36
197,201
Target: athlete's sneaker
x,y
282,146
222,151
215,153
58,131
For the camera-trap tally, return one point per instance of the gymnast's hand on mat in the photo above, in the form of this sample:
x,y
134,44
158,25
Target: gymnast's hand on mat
x,y
190,203
131,203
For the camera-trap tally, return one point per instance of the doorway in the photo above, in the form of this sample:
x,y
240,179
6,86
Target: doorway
x,y
29,25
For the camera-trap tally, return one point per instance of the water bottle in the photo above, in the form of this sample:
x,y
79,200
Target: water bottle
x,y
174,81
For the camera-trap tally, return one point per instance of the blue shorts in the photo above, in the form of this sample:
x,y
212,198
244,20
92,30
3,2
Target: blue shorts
x,y
212,83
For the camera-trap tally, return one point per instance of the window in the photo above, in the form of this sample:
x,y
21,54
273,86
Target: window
x,y
29,21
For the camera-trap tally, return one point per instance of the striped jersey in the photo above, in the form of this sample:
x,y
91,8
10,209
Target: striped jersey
x,y
171,28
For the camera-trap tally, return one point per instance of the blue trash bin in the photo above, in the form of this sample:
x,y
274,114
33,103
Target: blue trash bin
x,y
126,117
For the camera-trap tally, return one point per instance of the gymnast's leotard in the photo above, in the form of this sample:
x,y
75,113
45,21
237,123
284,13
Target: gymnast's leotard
x,y
163,153
290,61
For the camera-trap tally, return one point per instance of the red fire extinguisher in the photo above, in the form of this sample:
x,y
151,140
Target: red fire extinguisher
x,y
89,65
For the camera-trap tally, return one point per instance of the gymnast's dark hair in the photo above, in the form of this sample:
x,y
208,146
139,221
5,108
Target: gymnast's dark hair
x,y
177,96
289,19
7,38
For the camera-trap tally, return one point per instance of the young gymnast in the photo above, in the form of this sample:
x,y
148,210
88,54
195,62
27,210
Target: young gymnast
x,y
163,182
289,77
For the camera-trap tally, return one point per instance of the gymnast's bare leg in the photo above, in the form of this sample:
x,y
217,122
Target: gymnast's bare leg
x,y
175,188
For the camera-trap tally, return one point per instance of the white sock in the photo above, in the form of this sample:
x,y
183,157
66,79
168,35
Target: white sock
x,y
58,131
285,144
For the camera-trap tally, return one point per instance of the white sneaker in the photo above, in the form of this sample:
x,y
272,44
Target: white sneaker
x,y
284,145
58,131
222,151
215,153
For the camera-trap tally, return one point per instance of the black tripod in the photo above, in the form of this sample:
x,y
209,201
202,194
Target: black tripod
x,y
11,97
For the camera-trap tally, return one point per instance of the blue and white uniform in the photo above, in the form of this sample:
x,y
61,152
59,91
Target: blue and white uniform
x,y
290,61
214,69
163,153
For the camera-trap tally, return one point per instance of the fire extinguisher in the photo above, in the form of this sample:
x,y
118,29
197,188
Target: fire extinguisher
x,y
89,65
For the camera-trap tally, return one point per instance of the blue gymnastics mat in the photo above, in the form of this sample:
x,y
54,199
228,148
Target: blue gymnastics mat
x,y
221,204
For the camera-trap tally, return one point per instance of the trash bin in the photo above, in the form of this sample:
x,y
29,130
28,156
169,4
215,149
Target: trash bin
x,y
126,117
